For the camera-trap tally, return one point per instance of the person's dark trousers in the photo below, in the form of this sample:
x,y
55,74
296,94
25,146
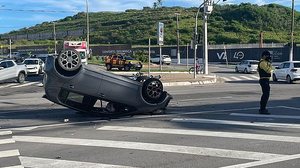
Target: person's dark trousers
x,y
265,87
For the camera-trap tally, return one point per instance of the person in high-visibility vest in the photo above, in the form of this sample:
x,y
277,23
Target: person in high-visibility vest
x,y
264,70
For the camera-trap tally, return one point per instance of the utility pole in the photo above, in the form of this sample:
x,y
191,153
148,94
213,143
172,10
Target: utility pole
x,y
54,37
177,27
292,31
87,29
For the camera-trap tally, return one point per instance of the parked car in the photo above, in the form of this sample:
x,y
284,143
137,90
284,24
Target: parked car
x,y
166,59
10,70
122,62
18,57
247,66
34,66
70,83
288,71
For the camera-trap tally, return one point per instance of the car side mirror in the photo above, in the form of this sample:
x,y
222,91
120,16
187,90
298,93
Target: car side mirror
x,y
1,68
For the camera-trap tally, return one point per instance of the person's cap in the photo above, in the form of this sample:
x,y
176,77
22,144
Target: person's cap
x,y
266,53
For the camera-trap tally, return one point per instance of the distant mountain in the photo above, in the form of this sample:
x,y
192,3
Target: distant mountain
x,y
228,24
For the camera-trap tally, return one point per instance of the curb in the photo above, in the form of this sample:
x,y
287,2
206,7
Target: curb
x,y
204,82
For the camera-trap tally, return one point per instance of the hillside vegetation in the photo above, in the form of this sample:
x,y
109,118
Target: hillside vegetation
x,y
228,24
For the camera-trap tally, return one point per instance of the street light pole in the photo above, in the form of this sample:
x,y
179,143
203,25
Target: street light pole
x,y
54,37
87,29
177,25
292,32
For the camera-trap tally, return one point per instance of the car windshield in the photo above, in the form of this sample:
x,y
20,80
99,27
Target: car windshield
x,y
31,62
296,65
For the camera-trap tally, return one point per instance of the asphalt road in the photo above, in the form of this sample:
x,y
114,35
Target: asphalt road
x,y
205,126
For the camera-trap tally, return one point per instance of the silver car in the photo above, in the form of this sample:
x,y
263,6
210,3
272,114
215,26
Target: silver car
x,y
247,66
288,71
74,85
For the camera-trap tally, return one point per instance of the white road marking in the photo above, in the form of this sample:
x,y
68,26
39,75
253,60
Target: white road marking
x,y
213,152
264,162
2,133
203,133
209,98
26,84
18,166
254,77
293,108
8,85
246,77
9,153
230,122
265,116
235,78
226,79
6,141
55,163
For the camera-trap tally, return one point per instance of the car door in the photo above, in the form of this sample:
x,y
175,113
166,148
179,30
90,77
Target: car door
x,y
241,66
279,71
11,70
3,71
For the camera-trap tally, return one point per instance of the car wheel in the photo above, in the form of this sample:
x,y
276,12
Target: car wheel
x,y
289,80
69,60
127,68
152,90
246,70
40,71
236,69
21,77
108,67
274,78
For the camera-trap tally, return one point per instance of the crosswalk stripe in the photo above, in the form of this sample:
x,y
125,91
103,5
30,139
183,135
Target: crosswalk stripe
x,y
55,163
8,85
265,116
213,152
264,162
26,84
17,166
226,79
235,78
203,133
9,153
230,122
6,141
254,77
245,77
2,133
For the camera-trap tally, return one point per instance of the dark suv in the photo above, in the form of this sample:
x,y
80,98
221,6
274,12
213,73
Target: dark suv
x,y
74,85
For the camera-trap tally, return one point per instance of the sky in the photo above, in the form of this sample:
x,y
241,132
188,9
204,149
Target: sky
x,y
17,14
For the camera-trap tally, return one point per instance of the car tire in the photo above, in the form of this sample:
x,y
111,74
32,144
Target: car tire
x,y
127,68
246,71
152,90
289,79
21,77
108,67
236,69
120,69
69,60
274,78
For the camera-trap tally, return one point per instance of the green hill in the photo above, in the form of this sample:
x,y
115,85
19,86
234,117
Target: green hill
x,y
227,24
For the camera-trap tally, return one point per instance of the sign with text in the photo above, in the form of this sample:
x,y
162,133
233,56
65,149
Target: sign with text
x,y
160,33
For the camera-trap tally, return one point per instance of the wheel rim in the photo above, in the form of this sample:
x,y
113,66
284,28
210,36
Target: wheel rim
x,y
21,78
154,89
69,60
289,79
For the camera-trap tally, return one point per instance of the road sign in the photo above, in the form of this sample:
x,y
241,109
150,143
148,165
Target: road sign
x,y
160,33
